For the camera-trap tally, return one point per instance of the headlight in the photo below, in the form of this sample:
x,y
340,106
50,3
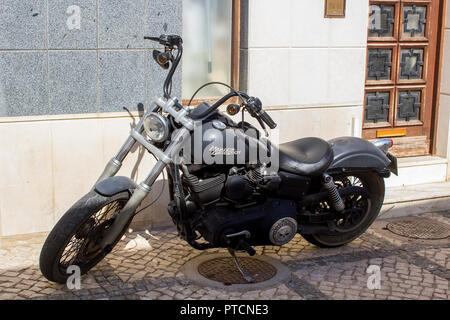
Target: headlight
x,y
157,127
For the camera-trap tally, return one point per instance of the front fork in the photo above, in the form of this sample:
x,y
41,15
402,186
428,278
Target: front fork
x,y
130,207
114,165
144,187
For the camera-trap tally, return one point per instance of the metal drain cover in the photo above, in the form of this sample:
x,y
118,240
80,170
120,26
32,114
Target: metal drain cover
x,y
224,270
420,228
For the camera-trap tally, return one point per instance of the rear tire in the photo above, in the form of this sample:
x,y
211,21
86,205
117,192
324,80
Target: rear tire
x,y
80,223
373,183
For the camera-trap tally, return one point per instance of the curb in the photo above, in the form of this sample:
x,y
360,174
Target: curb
x,y
415,207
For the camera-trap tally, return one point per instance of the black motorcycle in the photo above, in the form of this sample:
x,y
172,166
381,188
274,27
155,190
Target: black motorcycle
x,y
229,186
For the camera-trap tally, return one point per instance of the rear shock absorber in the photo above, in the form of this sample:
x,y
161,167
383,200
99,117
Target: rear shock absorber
x,y
335,197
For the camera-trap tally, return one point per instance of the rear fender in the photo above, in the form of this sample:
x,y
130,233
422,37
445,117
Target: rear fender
x,y
356,153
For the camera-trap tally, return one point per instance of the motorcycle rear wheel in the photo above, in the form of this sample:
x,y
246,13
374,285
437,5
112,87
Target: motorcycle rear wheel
x,y
374,184
73,240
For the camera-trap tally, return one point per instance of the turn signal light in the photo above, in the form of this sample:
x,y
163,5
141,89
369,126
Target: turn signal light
x,y
233,109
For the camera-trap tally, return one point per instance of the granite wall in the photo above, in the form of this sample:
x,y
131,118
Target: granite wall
x,y
81,56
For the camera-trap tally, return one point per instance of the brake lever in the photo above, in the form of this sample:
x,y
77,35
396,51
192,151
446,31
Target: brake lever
x,y
261,123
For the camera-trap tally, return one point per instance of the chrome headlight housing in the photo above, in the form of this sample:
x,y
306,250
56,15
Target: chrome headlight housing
x,y
157,127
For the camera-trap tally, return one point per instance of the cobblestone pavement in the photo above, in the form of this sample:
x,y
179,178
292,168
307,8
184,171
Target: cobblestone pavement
x,y
147,266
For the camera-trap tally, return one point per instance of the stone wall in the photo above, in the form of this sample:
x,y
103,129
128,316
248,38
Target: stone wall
x,y
81,56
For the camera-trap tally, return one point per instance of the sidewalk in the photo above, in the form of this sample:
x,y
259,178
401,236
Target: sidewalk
x,y
416,199
148,266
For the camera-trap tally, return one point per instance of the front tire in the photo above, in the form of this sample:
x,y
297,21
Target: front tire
x,y
73,240
374,184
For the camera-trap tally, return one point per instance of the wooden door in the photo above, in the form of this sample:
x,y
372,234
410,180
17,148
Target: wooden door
x,y
400,74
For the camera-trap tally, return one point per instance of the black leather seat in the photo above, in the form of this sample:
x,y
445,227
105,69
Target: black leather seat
x,y
307,157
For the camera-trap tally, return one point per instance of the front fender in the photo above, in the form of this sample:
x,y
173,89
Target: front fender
x,y
114,185
351,152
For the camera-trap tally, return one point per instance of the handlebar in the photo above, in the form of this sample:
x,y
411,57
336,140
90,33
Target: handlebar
x,y
252,104
254,107
171,42
156,39
268,120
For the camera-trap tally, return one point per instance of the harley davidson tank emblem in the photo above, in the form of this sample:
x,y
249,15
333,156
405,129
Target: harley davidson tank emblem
x,y
215,151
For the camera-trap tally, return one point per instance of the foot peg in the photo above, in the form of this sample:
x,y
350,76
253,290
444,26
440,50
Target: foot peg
x,y
245,275
242,245
246,247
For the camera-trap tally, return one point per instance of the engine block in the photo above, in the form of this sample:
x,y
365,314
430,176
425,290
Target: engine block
x,y
271,223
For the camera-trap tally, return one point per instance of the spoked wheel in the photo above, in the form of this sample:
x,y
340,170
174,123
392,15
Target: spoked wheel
x,y
84,245
76,237
361,209
357,205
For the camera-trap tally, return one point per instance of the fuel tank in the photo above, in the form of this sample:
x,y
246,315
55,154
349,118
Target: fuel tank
x,y
218,140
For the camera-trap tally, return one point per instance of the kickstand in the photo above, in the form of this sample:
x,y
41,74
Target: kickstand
x,y
246,276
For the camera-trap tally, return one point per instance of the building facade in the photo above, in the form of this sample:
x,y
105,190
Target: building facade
x,y
73,72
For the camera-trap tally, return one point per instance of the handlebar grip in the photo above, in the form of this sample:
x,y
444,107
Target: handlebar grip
x,y
267,119
167,40
152,38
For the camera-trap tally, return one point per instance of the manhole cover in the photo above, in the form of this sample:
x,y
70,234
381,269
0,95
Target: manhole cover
x,y
420,228
224,270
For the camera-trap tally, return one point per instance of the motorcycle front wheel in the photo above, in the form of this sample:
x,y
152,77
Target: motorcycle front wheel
x,y
374,184
74,239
